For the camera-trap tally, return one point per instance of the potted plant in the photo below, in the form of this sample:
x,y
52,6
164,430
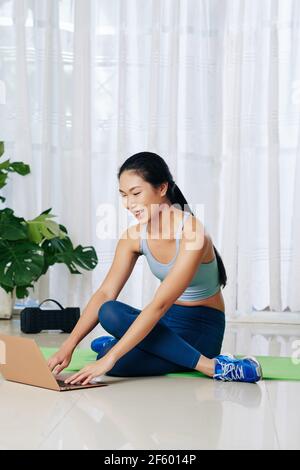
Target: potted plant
x,y
29,247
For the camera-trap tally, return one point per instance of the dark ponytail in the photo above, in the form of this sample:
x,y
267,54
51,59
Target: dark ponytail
x,y
153,169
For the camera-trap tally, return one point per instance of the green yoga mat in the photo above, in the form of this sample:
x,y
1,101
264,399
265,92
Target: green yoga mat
x,y
274,368
80,358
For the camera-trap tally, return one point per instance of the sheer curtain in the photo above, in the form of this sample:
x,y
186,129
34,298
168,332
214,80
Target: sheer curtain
x,y
212,86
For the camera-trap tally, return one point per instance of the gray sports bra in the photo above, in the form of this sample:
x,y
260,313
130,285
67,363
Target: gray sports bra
x,y
205,282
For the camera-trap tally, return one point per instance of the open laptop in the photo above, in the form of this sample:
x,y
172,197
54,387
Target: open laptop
x,y
22,361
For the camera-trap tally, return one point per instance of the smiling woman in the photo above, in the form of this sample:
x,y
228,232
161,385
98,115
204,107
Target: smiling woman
x,y
169,334
151,194
137,212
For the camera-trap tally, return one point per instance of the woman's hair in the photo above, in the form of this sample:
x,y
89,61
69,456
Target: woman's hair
x,y
153,169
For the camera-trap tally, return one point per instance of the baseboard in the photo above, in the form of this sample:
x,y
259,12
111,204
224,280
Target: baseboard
x,y
267,317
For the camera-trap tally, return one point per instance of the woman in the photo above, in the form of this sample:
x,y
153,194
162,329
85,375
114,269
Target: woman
x,y
182,328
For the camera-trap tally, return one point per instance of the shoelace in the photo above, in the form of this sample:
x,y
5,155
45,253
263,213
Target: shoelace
x,y
236,372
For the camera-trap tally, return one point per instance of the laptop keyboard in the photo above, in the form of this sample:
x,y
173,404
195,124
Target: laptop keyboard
x,y
62,384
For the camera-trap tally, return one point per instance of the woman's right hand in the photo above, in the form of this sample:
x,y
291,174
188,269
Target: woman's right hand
x,y
60,360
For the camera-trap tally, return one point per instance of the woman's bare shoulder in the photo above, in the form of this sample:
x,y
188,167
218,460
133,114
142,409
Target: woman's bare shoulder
x,y
194,227
134,233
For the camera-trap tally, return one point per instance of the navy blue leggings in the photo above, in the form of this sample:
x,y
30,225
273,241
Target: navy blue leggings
x,y
174,344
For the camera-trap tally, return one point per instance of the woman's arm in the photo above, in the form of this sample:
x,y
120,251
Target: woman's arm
x,y
88,320
123,263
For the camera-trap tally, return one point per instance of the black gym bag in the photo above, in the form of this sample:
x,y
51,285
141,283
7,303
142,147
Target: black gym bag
x,y
35,319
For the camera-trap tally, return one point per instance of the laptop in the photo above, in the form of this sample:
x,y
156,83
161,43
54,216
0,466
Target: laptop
x,y
22,361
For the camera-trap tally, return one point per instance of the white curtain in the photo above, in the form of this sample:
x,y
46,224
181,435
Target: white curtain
x,y
212,86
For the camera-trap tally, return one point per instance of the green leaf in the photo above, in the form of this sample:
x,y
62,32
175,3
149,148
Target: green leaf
x,y
19,167
62,251
3,178
63,228
47,211
11,227
2,199
15,167
21,263
85,257
22,291
42,228
7,289
57,248
4,165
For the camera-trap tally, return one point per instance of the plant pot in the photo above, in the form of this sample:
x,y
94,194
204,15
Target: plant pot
x,y
6,304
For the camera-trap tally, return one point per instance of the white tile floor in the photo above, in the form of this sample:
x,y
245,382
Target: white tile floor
x,y
159,412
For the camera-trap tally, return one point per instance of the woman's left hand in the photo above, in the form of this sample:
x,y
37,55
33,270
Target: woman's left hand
x,y
100,367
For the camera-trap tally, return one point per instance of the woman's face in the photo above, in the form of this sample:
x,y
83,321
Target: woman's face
x,y
139,195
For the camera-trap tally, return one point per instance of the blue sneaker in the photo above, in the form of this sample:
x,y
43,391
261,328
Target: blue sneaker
x,y
106,346
99,344
228,368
